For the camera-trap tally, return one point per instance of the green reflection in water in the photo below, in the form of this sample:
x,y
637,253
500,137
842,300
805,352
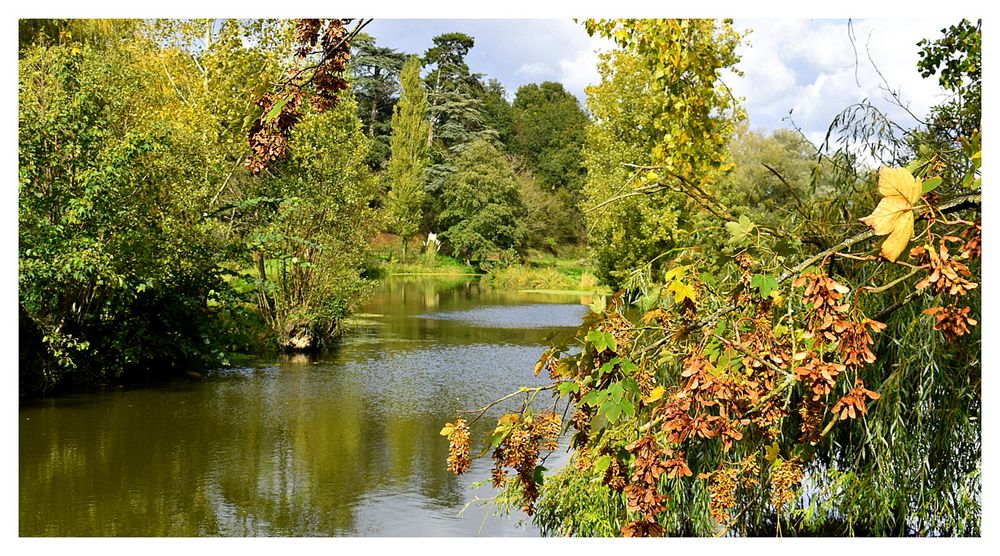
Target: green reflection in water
x,y
344,445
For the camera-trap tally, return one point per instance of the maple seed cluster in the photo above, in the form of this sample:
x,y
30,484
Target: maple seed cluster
x,y
642,494
724,482
520,447
948,277
458,447
951,321
854,404
830,325
785,476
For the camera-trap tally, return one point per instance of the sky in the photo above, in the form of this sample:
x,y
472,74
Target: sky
x,y
801,71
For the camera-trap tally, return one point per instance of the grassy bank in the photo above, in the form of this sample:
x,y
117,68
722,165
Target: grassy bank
x,y
566,272
546,272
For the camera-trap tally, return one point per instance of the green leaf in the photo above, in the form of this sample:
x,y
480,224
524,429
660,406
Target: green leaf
x,y
630,385
539,474
628,367
609,340
610,410
602,464
275,110
593,398
739,232
598,339
765,284
931,184
567,387
627,408
616,391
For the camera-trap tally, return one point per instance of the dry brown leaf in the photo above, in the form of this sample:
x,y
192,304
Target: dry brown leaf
x,y
894,213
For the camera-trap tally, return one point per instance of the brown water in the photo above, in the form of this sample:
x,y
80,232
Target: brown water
x,y
344,445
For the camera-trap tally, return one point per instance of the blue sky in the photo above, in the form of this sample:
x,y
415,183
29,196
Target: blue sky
x,y
807,66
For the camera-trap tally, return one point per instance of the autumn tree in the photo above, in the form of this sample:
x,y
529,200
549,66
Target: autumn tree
x,y
763,385
408,162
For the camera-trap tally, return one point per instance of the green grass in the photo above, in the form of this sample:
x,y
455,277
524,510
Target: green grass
x,y
439,265
544,272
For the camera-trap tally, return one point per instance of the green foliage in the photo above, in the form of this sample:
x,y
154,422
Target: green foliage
x,y
111,249
957,60
549,131
497,112
661,110
137,221
458,116
483,216
628,232
406,173
308,262
376,85
554,220
578,504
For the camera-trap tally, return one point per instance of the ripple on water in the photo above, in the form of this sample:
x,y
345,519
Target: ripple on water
x,y
541,315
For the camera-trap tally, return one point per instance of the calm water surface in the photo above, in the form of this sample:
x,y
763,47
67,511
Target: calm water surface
x,y
344,445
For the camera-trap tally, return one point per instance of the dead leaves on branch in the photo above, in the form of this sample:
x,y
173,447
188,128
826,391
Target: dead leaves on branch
x,y
320,83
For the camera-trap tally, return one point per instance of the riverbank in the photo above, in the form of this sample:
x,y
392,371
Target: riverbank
x,y
539,272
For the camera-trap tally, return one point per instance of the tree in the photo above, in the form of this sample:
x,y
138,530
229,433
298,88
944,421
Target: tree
x,y
116,265
313,222
662,120
549,131
457,115
498,113
376,85
143,231
826,388
956,58
483,214
408,161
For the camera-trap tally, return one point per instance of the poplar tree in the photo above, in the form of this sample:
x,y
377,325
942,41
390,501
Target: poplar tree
x,y
408,159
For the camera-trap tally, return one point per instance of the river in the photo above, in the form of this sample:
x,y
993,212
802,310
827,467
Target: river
x,y
345,444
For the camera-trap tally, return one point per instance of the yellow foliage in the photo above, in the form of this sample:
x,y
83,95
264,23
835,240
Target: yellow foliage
x,y
894,213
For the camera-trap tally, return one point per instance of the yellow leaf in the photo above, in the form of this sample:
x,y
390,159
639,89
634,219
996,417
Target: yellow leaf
x,y
654,395
771,452
447,430
894,213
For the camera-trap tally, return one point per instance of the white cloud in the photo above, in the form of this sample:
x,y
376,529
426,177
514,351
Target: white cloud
x,y
534,68
580,70
815,69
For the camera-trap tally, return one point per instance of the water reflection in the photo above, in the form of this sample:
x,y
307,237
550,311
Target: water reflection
x,y
344,445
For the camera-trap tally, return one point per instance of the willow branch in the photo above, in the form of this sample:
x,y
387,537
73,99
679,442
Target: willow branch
x,y
523,390
892,308
890,285
959,203
798,202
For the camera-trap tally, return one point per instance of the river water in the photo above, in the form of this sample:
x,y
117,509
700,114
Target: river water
x,y
345,444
